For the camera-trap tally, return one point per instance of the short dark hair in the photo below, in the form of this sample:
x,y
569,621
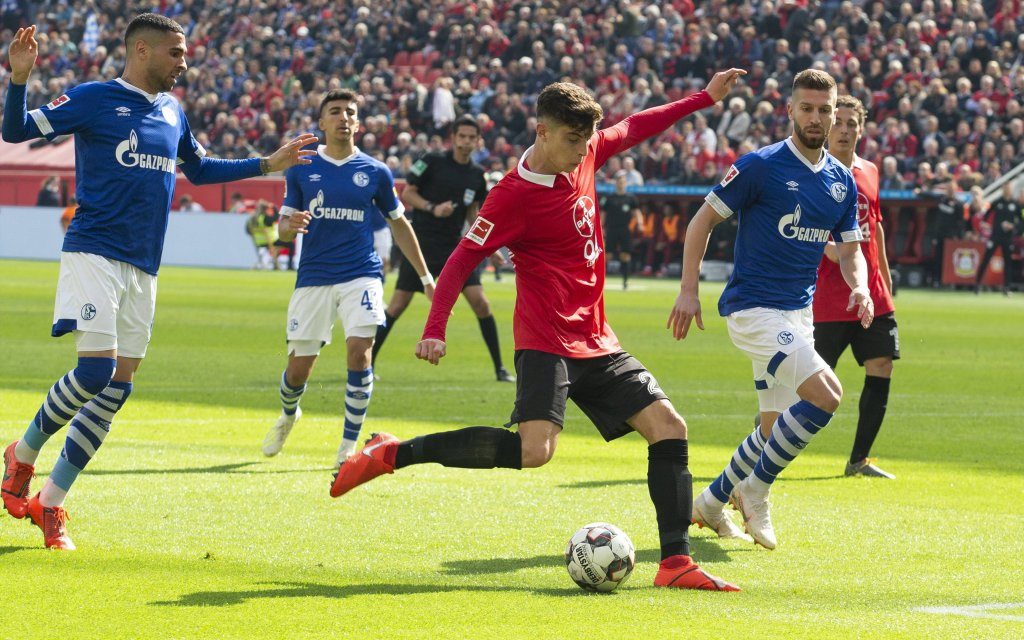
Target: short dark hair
x,y
153,22
569,104
466,121
337,94
850,102
815,80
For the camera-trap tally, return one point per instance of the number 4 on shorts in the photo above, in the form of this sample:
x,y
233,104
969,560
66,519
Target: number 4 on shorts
x,y
366,302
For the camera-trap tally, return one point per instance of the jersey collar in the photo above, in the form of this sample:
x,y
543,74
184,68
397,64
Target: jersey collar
x,y
322,151
813,167
131,87
543,179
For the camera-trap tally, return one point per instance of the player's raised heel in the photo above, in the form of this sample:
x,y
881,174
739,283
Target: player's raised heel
x,y
706,514
756,512
376,458
868,468
53,522
15,488
681,572
274,441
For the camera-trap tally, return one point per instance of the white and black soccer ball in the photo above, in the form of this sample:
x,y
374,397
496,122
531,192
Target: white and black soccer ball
x,y
600,557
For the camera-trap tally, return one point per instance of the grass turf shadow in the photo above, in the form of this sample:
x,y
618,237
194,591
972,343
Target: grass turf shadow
x,y
702,548
314,590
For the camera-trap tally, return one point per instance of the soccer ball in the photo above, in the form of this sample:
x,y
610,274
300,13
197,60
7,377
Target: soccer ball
x,y
600,557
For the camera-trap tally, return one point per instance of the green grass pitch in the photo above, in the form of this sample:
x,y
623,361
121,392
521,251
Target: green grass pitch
x,y
186,531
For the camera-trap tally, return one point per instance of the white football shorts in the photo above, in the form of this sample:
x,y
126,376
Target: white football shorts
x,y
780,344
382,243
359,304
106,303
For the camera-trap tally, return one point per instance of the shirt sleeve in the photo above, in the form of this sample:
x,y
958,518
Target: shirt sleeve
x,y
292,202
386,197
67,113
496,226
202,170
645,124
481,189
848,229
740,187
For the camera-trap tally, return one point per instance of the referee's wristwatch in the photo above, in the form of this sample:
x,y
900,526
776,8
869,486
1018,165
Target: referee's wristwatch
x,y
431,206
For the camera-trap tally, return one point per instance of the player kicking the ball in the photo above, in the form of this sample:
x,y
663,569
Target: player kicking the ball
x,y
545,212
130,138
791,197
333,201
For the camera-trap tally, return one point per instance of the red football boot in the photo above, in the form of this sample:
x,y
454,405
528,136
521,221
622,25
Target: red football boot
x,y
376,458
53,521
17,477
682,572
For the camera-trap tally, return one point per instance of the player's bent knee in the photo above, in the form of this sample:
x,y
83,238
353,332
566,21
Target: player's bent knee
x,y
879,367
93,375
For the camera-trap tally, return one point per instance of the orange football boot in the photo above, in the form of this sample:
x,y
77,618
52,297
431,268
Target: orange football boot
x,y
376,458
17,477
682,572
53,521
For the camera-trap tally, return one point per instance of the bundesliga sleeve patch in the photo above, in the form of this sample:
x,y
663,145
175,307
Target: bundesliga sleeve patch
x,y
480,230
419,167
730,175
58,101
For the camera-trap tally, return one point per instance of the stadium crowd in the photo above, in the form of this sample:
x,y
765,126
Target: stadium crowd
x,y
943,79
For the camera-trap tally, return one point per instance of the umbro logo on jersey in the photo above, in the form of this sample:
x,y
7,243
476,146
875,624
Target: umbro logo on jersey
x,y
123,111
793,185
314,177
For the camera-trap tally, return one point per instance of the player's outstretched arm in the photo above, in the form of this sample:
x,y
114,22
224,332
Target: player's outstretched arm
x,y
405,238
202,170
650,122
22,57
855,272
687,305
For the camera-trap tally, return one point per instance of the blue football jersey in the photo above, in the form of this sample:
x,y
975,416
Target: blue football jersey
x,y
788,210
128,144
345,198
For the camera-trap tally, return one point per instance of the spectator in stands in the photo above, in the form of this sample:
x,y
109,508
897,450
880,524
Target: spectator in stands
x,y
736,122
186,204
50,193
891,178
68,214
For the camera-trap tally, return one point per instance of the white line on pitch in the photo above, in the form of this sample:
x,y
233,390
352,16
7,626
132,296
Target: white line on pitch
x,y
978,611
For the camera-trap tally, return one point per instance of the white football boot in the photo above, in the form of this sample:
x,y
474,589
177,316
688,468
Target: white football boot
x,y
756,512
274,441
707,514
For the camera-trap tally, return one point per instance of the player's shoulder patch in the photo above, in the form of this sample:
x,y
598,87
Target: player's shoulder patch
x,y
418,167
730,175
480,230
60,100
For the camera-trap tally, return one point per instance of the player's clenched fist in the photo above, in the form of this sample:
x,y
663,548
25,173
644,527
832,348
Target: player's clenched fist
x,y
430,350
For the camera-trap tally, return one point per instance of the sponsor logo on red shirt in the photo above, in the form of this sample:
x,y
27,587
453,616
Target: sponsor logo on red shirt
x,y
480,230
583,216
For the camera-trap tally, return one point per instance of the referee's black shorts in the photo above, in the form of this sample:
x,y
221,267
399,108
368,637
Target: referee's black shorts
x,y
409,281
608,389
880,340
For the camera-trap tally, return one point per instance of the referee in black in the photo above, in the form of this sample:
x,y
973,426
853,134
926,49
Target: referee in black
x,y
617,211
445,191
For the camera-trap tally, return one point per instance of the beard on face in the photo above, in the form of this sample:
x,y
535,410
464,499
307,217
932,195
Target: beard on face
x,y
807,141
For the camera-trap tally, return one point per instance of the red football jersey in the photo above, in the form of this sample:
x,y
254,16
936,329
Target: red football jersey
x,y
833,294
552,227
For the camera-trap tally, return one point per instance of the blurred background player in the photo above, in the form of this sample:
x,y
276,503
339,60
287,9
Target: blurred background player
x,y
383,242
1001,219
565,348
260,227
68,214
106,290
445,191
618,211
835,326
334,201
790,196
